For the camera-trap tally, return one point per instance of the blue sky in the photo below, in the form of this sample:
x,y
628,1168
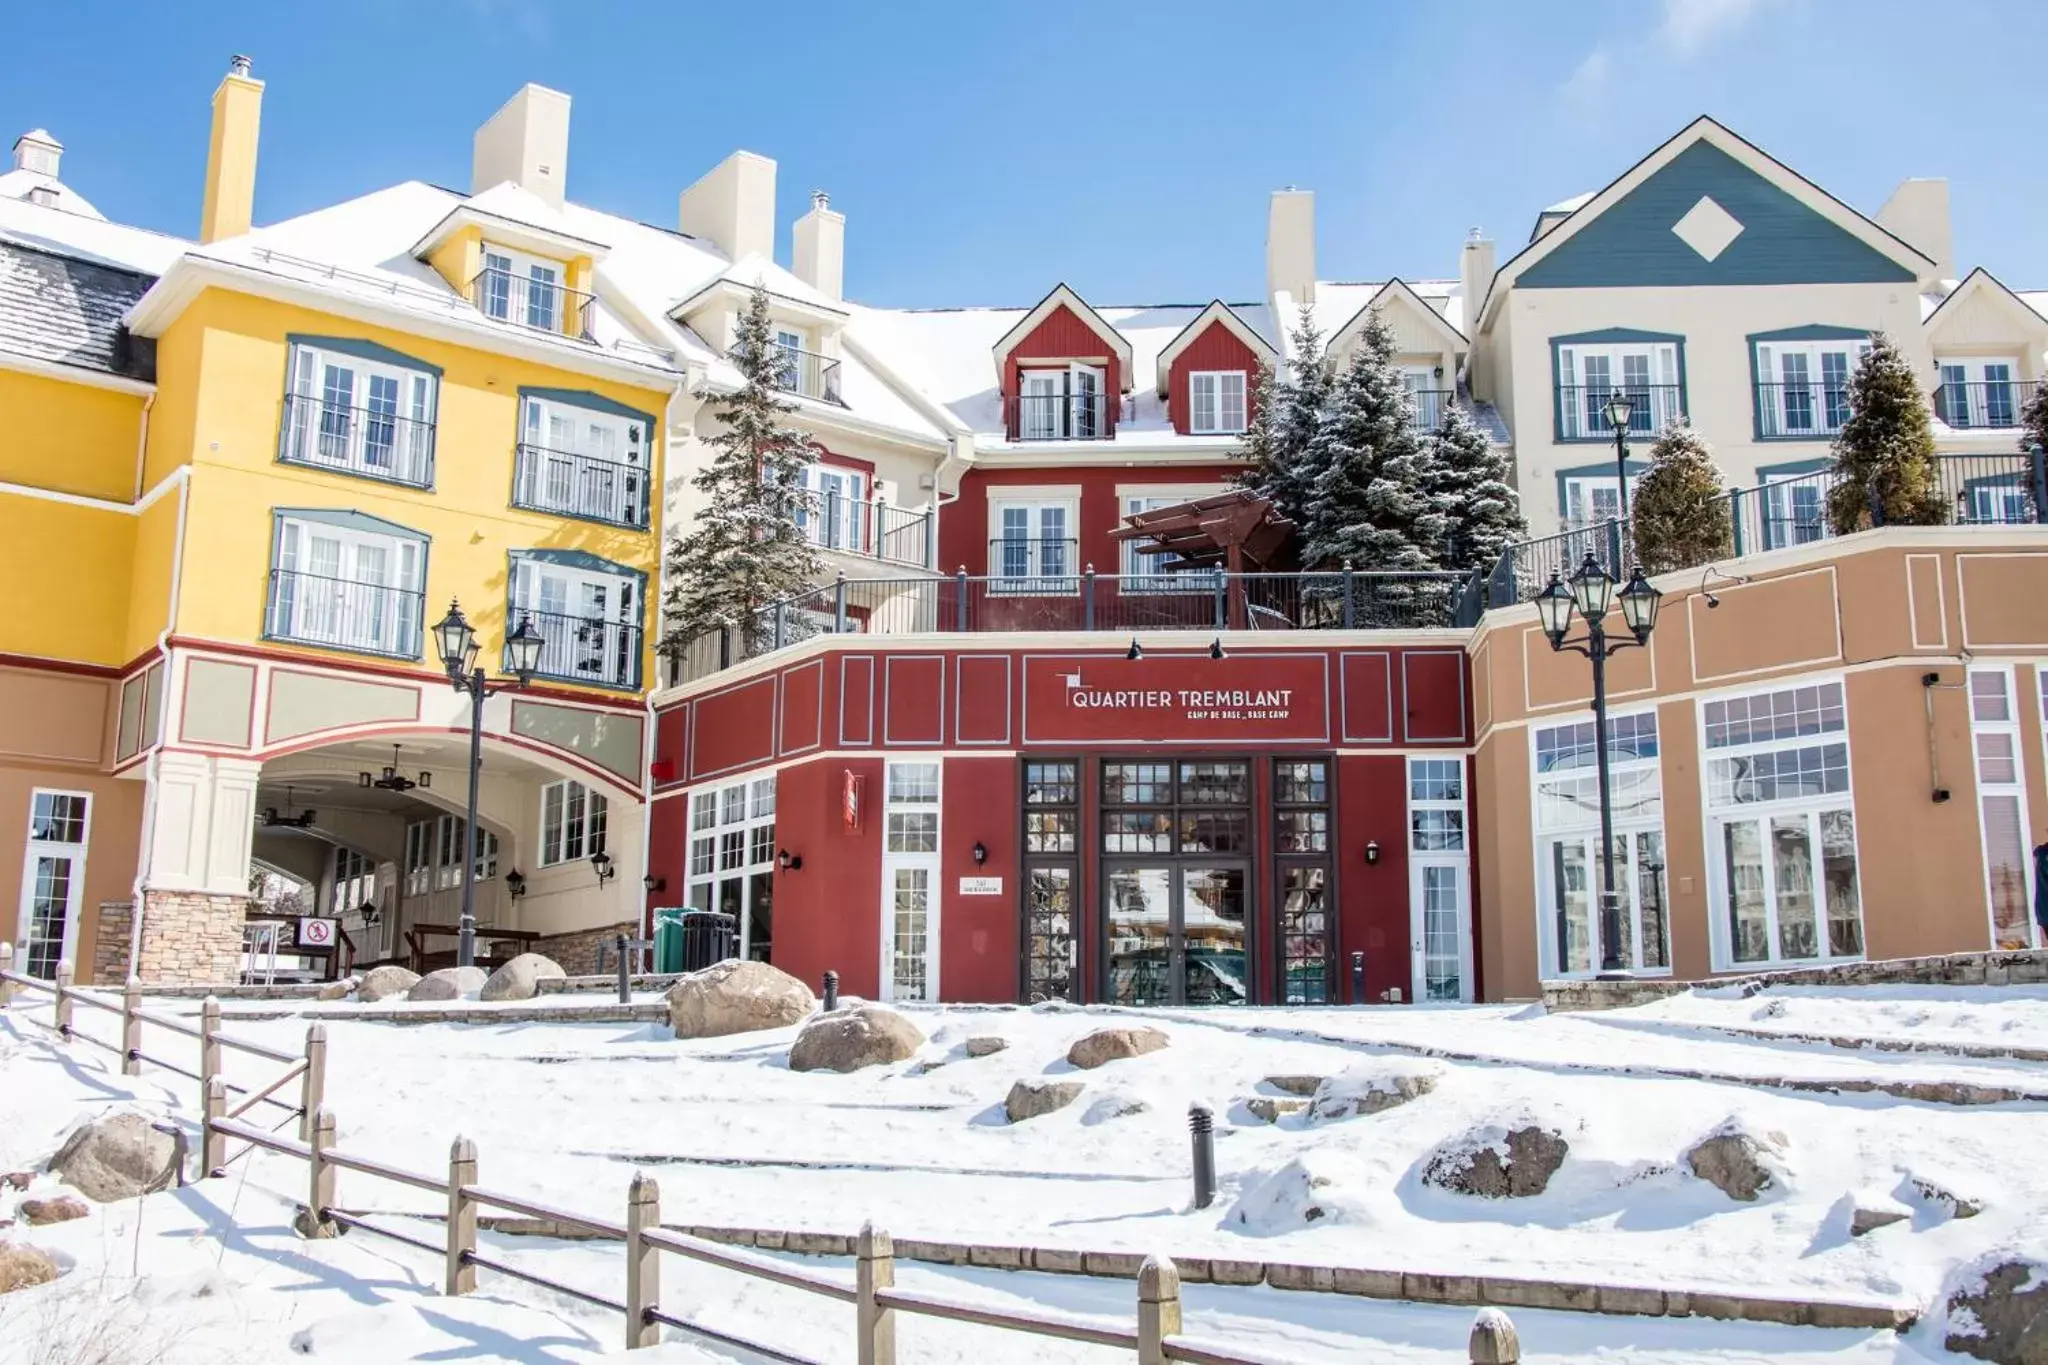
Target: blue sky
x,y
983,150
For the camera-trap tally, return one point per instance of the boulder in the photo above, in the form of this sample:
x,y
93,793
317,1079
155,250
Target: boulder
x,y
1030,1099
62,1209
1371,1087
450,983
735,996
22,1267
1114,1044
1736,1161
1931,1191
1270,1108
1864,1219
19,1180
339,990
1296,1085
849,1039
382,983
117,1157
1114,1105
985,1045
1494,1165
520,978
2004,1318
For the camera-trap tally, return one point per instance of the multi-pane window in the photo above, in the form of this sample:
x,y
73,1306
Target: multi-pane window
x,y
355,882
1155,573
572,820
1301,845
910,878
1436,805
1782,828
732,858
1052,806
516,287
1059,404
433,855
346,587
1033,549
1216,402
353,411
1440,878
1980,393
2002,806
1567,830
1589,375
1207,811
582,461
1052,842
1803,386
52,878
588,617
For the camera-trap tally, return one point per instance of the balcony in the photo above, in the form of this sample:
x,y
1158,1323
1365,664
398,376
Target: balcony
x,y
1983,404
1060,416
585,649
1792,412
809,375
372,443
336,613
1020,566
1429,408
1581,414
869,530
539,305
571,484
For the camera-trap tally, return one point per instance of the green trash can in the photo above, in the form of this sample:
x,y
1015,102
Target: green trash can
x,y
668,939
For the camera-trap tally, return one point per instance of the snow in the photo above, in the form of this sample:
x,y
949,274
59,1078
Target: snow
x,y
566,1113
81,235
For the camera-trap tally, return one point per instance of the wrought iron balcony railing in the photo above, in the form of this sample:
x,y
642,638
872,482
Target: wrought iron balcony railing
x,y
1034,566
1993,403
1060,416
1429,407
375,442
872,530
541,305
1815,408
585,649
576,485
337,613
1582,409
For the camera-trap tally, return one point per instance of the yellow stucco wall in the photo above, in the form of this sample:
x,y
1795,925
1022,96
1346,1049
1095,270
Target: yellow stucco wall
x,y
148,589
459,258
69,438
232,433
70,570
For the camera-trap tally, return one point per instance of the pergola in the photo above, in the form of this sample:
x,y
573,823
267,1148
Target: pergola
x,y
1238,532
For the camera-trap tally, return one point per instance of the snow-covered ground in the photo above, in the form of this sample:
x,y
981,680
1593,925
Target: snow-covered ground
x,y
566,1113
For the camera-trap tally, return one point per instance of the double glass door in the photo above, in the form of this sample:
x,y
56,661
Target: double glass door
x,y
1177,932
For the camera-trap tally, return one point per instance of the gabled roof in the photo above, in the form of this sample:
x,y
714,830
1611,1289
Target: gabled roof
x,y
1220,314
740,279
1708,131
1982,281
1063,297
516,217
1392,289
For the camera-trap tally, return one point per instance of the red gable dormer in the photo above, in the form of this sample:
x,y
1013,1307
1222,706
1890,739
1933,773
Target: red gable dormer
x,y
1063,370
1228,351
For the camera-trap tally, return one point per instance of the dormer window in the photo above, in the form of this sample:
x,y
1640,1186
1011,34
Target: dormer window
x,y
1061,404
1216,402
1063,371
516,287
805,371
1205,374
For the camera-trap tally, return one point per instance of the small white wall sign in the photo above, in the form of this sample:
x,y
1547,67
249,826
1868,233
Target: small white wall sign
x,y
981,886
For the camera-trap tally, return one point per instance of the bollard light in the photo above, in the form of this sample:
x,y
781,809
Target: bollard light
x,y
831,991
1202,1130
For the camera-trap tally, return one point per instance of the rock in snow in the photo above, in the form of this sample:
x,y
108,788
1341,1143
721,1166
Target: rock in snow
x,y
849,1039
737,997
117,1157
1735,1160
520,978
1030,1099
1494,1163
22,1267
381,983
1114,1044
985,1045
1318,1187
450,983
1373,1086
1937,1192
1296,1085
62,1209
1269,1108
2001,1315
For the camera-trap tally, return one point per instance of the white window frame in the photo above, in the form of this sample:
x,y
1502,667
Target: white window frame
x,y
526,300
1580,489
1821,415
2014,789
1426,390
75,854
1046,570
913,860
1663,384
1720,934
589,619
1147,573
1074,418
1458,859
740,814
1586,833
345,610
555,846
582,462
1228,389
1977,390
328,429
847,525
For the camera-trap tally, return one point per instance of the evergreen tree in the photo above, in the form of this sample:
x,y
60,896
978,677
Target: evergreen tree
x,y
1369,501
1294,441
1474,491
745,548
1677,513
1885,452
2034,421
1260,449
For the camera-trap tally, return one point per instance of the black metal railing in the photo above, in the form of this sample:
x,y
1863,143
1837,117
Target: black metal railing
x,y
1582,409
1815,408
585,649
577,485
1993,403
1429,407
808,374
338,613
1060,416
1034,565
870,529
375,442
541,305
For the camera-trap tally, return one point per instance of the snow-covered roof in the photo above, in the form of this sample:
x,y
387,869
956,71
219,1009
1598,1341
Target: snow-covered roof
x,y
1339,301
85,236
1571,205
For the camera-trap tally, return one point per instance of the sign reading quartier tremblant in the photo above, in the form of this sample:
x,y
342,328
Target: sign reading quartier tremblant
x,y
1239,699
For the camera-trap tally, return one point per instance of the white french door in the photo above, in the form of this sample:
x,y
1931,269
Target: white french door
x,y
347,588
1440,929
1042,394
587,621
910,885
53,880
836,515
1571,877
360,415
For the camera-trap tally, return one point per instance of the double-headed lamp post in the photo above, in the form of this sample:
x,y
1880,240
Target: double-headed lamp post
x,y
456,640
1590,593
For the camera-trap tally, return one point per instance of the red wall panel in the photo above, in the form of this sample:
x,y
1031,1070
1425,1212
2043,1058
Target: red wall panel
x,y
1433,694
983,709
828,912
803,708
1062,335
1216,347
856,698
979,935
913,699
1372,803
671,748
733,728
1366,682
668,852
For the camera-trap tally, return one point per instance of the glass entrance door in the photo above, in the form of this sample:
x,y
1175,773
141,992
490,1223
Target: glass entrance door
x,y
1177,934
1049,912
1214,966
1441,903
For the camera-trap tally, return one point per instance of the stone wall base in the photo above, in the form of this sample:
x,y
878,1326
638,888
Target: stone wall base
x,y
576,953
109,965
1951,969
191,938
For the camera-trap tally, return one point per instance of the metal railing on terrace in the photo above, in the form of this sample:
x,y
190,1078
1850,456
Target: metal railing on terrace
x,y
1035,565
809,375
374,442
1429,407
1061,416
1995,403
971,604
337,613
586,649
542,305
1815,408
1582,416
870,529
573,484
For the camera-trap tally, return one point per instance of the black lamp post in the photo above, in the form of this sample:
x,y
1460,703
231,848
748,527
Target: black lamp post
x,y
1591,593
456,640
1618,409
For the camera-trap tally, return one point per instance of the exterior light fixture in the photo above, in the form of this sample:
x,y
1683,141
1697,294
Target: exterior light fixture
x,y
789,862
456,640
601,864
980,853
1592,589
652,883
1372,852
392,780
515,884
1618,409
1216,648
1554,610
1639,602
1136,651
522,650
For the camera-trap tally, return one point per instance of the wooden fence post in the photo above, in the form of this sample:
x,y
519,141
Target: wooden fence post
x,y
874,1268
64,1002
131,1028
314,1091
213,1143
461,1217
320,1188
643,1262
1494,1340
209,1041
1158,1308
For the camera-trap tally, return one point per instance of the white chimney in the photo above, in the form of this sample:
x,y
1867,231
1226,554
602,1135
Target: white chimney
x,y
1918,212
1291,244
733,206
527,143
818,247
38,153
1475,277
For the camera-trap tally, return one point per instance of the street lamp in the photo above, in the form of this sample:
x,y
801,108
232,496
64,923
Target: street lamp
x,y
457,641
1591,594
1618,409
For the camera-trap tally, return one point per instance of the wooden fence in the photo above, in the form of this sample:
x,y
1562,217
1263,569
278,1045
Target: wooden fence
x,y
1155,1337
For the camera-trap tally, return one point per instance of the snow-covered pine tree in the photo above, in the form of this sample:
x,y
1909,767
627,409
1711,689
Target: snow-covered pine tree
x,y
1474,491
2034,421
1677,513
1294,444
1369,503
1885,451
1260,448
745,548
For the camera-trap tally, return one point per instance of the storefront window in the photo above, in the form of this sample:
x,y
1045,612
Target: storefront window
x,y
1567,820
1301,845
732,859
1052,835
2002,806
1782,827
